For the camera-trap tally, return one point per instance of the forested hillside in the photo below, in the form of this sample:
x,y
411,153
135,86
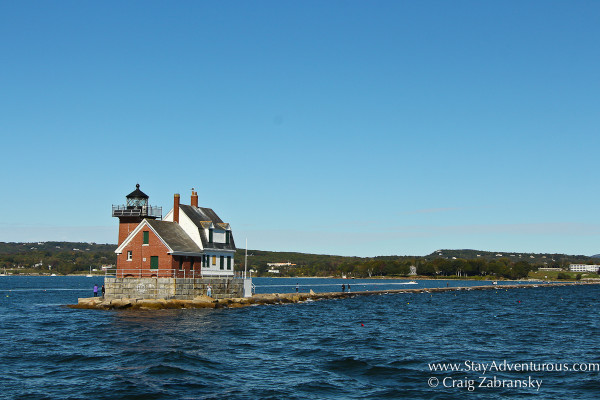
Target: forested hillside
x,y
70,257
55,257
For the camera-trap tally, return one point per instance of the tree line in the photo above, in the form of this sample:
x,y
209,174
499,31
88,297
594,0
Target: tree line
x,y
439,267
55,257
71,257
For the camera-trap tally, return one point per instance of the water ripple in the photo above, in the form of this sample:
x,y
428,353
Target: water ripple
x,y
374,347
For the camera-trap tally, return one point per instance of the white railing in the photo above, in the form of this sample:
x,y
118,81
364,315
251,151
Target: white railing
x,y
136,211
169,273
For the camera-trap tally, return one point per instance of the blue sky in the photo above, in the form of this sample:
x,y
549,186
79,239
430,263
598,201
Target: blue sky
x,y
337,127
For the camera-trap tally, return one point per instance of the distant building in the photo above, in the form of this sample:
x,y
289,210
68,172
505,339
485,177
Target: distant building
x,y
286,264
584,268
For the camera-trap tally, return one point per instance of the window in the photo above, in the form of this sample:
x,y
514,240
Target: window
x,y
180,263
222,262
154,262
146,237
214,260
129,255
227,235
204,261
228,262
210,235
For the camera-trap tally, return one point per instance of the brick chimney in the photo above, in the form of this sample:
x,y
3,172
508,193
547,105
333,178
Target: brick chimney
x,y
176,208
194,202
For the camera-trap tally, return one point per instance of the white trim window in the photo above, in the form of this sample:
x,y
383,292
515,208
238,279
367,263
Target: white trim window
x,y
129,255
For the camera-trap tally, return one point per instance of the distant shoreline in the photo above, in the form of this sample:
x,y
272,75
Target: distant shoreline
x,y
416,278
428,278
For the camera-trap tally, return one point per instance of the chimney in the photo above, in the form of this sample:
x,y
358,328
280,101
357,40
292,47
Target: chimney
x,y
176,208
194,199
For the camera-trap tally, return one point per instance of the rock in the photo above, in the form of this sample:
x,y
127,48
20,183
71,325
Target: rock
x,y
203,299
120,303
149,304
296,298
240,300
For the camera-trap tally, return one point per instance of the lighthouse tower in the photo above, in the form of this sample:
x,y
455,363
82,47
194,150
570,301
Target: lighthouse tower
x,y
134,212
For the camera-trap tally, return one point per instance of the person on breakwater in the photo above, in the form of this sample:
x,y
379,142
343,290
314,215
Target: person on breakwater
x,y
95,290
103,290
296,288
348,287
343,288
209,291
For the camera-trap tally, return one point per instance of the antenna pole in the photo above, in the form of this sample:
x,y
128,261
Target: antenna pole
x,y
246,260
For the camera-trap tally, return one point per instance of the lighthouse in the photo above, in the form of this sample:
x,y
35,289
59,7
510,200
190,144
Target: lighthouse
x,y
175,256
131,214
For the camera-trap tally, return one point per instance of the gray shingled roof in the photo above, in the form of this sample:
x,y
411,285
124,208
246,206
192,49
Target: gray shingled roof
x,y
175,237
200,215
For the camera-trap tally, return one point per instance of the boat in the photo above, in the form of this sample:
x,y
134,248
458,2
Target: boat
x,y
495,283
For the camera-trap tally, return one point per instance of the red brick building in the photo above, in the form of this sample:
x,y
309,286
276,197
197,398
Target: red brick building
x,y
190,241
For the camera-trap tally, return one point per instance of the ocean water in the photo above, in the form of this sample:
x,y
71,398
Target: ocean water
x,y
366,347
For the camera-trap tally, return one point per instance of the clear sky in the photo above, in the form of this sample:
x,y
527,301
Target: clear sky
x,y
336,127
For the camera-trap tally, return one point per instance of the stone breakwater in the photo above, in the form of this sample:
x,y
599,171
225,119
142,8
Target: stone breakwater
x,y
275,298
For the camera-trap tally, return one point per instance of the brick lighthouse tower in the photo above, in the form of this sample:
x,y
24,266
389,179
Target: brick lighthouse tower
x,y
136,210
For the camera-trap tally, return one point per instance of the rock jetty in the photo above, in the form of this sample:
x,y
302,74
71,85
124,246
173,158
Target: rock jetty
x,y
274,298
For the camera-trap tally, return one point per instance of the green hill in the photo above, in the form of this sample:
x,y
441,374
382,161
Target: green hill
x,y
75,257
58,257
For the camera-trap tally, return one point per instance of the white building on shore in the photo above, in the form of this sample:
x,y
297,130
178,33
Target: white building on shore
x,y
584,268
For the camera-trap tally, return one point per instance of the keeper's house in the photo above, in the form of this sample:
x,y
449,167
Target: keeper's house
x,y
190,242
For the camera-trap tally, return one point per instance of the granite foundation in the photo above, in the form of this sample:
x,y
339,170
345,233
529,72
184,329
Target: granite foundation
x,y
172,288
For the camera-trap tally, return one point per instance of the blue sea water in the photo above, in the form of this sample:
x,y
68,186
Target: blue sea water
x,y
366,347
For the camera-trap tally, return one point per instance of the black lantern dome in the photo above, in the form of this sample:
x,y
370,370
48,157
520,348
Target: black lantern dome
x,y
137,198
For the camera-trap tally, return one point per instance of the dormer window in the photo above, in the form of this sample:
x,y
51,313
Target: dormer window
x,y
227,235
210,235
